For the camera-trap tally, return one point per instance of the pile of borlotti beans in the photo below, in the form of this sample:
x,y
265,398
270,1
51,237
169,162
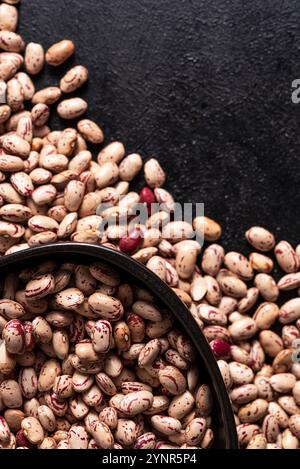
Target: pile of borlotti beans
x,y
83,369
88,361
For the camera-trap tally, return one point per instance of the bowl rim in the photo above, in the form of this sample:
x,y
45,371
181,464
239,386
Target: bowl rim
x,y
166,296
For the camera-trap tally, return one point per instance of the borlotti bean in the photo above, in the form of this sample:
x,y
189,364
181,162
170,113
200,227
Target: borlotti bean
x,y
78,335
89,375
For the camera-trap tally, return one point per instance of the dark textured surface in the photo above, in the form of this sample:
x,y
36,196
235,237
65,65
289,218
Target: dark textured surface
x,y
204,86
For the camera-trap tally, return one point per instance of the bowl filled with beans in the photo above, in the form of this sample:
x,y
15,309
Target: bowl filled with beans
x,y
98,353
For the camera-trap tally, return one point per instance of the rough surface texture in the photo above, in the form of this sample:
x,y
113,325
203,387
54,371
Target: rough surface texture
x,y
203,86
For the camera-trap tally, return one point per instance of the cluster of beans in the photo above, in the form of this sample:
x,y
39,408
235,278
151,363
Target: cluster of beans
x,y
83,369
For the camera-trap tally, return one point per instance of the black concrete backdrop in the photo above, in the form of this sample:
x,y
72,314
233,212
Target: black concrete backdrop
x,y
203,85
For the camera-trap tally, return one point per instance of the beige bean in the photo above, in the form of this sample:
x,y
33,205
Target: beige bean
x,y
11,42
225,372
61,179
7,361
104,273
15,95
289,441
180,405
33,430
149,353
173,380
239,265
44,195
286,257
289,282
67,142
130,167
154,174
258,442
260,238
147,311
282,361
8,17
10,163
166,425
243,329
10,62
294,425
246,303
40,287
10,393
296,392
78,437
228,305
63,386
106,175
80,162
177,231
72,108
5,113
241,374
195,431
280,415
270,428
47,418
185,262
27,85
74,79
106,306
22,183
204,400
211,315
289,405
5,434
122,336
165,199
14,337
34,58
60,343
135,403
271,342
40,114
68,225
244,394
47,96
41,330
103,436
261,263
290,311
114,152
283,382
231,285
10,195
254,411
289,334
266,315
207,229
246,432
51,369
238,354
267,287
59,52
11,309
47,237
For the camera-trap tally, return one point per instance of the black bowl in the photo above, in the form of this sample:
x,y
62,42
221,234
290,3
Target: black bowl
x,y
223,421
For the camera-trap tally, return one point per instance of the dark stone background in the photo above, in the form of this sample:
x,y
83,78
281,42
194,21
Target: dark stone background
x,y
204,86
